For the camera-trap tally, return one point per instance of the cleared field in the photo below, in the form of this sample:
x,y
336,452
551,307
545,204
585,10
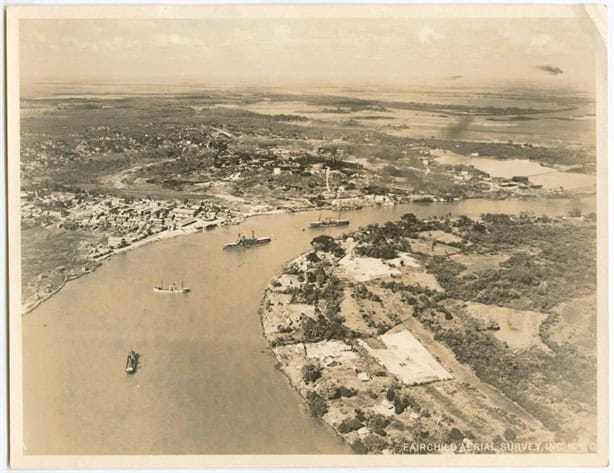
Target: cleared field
x,y
429,248
518,328
476,263
439,235
49,256
420,278
286,314
405,357
330,350
363,268
577,323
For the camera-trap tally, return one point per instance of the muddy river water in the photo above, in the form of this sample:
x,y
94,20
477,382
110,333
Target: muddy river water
x,y
206,383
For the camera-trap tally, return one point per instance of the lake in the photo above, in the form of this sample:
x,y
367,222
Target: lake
x,y
548,177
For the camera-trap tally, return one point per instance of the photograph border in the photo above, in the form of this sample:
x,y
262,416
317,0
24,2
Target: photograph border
x,y
18,460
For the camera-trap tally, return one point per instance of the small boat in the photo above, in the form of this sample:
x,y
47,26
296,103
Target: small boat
x,y
172,289
329,222
132,362
244,242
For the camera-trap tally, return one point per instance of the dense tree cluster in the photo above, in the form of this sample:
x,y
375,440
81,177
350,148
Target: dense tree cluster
x,y
559,263
327,244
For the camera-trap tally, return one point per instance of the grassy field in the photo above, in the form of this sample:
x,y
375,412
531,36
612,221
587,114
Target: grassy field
x,y
45,251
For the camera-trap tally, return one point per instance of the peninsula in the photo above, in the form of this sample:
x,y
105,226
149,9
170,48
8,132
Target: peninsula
x,y
445,334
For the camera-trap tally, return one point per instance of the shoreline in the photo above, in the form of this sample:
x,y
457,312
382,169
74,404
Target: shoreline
x,y
347,382
277,364
28,307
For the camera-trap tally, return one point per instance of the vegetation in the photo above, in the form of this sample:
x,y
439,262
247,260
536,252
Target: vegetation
x,y
349,424
317,404
551,261
558,262
378,424
327,244
323,329
51,256
311,373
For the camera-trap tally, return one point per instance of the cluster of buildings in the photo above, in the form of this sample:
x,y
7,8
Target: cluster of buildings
x,y
123,221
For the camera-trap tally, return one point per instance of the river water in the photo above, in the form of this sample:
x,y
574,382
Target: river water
x,y
206,383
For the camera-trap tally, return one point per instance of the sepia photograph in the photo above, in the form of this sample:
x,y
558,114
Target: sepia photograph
x,y
307,235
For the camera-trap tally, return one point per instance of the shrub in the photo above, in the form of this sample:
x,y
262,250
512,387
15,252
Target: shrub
x,y
327,244
380,250
323,329
400,404
311,373
396,424
377,424
312,257
317,404
347,392
375,443
576,212
360,415
330,391
409,218
455,435
348,425
509,434
359,447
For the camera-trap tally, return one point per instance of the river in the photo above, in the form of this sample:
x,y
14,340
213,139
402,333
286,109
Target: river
x,y
206,383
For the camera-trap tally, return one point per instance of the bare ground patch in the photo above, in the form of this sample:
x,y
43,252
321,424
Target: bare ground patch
x,y
431,247
476,263
576,323
518,328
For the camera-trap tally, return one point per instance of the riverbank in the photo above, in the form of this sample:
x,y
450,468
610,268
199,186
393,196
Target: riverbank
x,y
365,403
198,226
39,298
189,340
240,215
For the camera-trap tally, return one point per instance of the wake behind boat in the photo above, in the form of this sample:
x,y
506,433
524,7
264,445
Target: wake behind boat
x,y
172,289
244,242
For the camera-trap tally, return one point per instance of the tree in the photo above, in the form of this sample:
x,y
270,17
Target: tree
x,y
509,435
327,244
455,435
311,373
317,404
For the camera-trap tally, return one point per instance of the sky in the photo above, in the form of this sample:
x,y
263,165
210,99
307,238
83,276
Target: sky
x,y
306,51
